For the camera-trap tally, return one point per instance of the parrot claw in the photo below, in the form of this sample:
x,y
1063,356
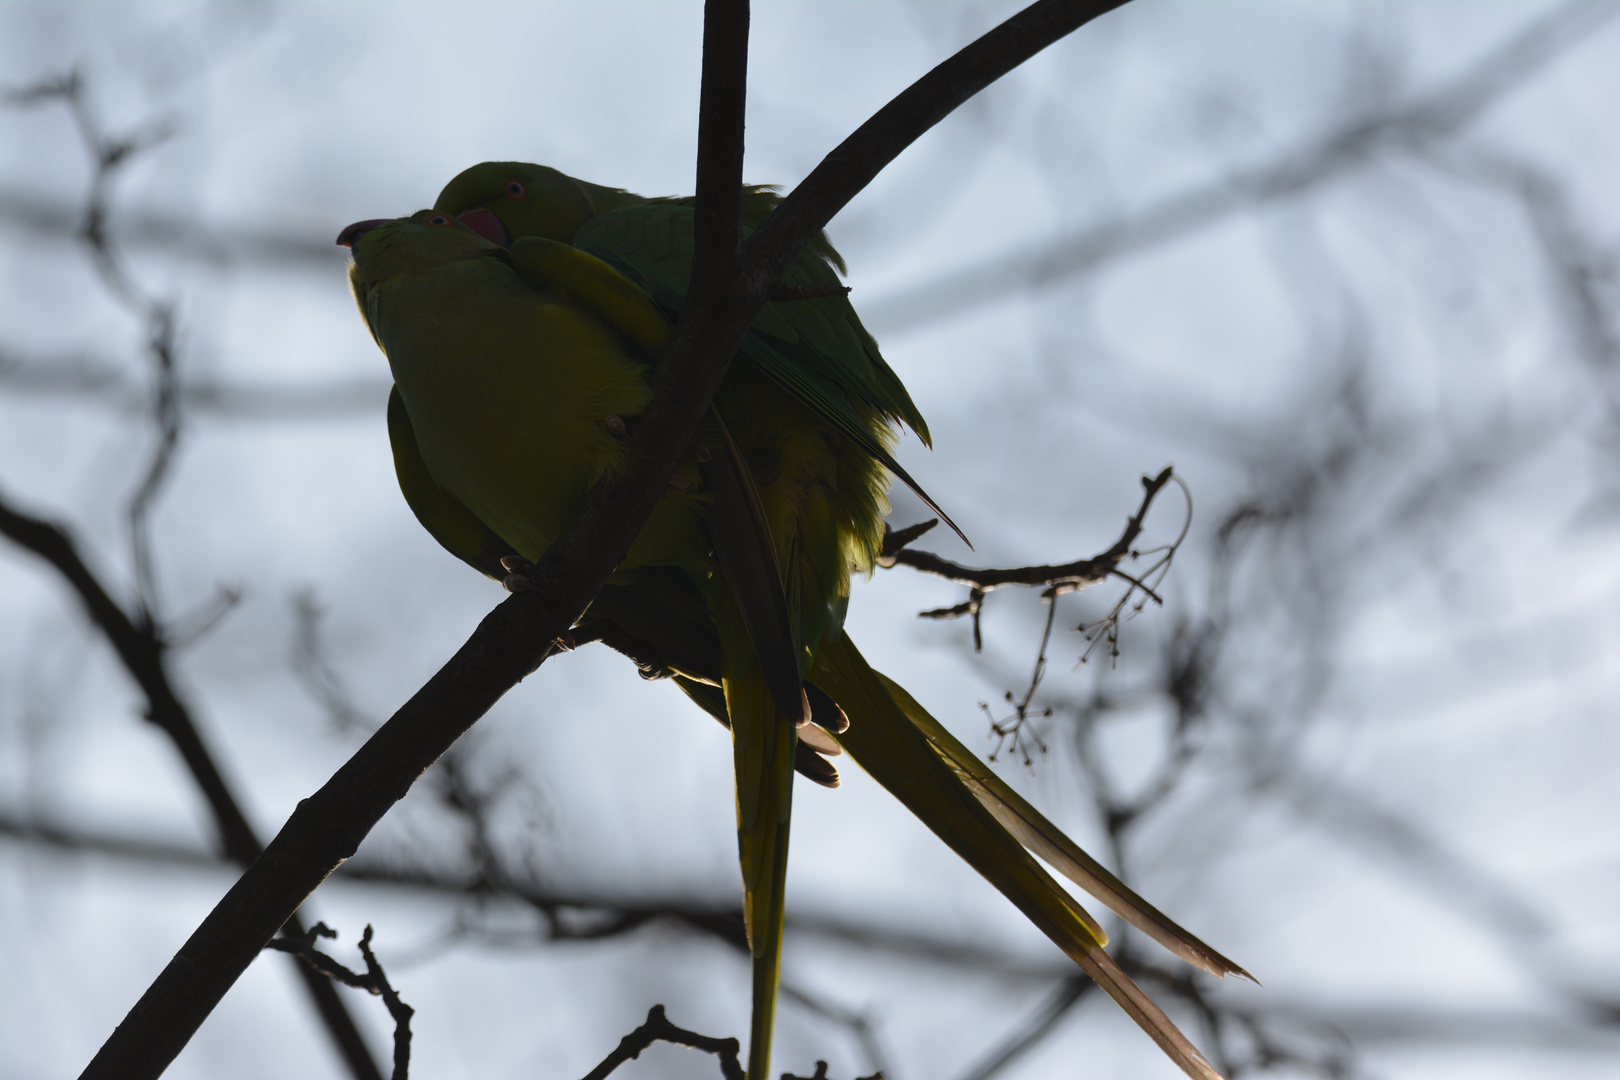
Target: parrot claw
x,y
824,711
519,574
680,482
702,456
782,292
812,736
617,427
812,766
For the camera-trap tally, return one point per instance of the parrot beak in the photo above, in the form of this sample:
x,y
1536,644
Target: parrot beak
x,y
485,224
349,236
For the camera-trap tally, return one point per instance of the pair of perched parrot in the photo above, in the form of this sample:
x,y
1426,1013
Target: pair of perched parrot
x,y
522,317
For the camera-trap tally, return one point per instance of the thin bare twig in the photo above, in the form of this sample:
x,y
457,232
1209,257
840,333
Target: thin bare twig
x,y
1017,728
140,636
1058,580
1069,577
374,981
1068,996
821,1074
109,156
308,661
659,1029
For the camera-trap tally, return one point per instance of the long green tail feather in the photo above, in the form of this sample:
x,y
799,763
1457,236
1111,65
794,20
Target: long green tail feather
x,y
886,743
764,744
742,543
1046,840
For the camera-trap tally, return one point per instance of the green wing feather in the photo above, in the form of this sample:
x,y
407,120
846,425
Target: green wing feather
x,y
817,349
455,527
736,521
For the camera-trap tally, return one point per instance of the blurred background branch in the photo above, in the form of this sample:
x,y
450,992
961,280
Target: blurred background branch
x,y
141,636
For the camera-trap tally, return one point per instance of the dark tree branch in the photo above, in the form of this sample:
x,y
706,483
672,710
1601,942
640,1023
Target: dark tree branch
x,y
568,916
1046,1017
1059,580
1066,577
853,164
144,655
374,981
659,1029
86,377
821,1074
722,109
109,156
587,917
515,638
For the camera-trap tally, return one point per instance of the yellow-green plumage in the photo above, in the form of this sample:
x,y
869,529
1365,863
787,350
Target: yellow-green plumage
x,y
509,365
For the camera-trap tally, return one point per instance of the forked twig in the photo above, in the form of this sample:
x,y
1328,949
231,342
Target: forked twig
x,y
374,981
659,1029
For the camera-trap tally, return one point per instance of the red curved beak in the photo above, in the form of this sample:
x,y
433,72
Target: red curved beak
x,y
486,224
354,232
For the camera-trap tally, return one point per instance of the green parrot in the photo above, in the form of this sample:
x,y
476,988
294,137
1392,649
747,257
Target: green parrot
x,y
521,318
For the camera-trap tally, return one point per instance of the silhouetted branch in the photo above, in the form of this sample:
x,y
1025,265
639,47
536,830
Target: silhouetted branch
x,y
851,165
1065,577
1045,1018
93,378
374,981
109,156
821,1074
144,655
1059,580
659,1029
140,636
309,664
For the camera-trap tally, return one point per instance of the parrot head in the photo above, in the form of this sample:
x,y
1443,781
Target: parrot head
x,y
502,200
383,247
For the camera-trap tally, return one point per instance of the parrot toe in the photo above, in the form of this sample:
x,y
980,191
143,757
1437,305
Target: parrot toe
x,y
824,711
519,574
812,766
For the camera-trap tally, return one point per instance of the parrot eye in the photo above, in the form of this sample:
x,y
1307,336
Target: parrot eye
x,y
514,190
438,219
